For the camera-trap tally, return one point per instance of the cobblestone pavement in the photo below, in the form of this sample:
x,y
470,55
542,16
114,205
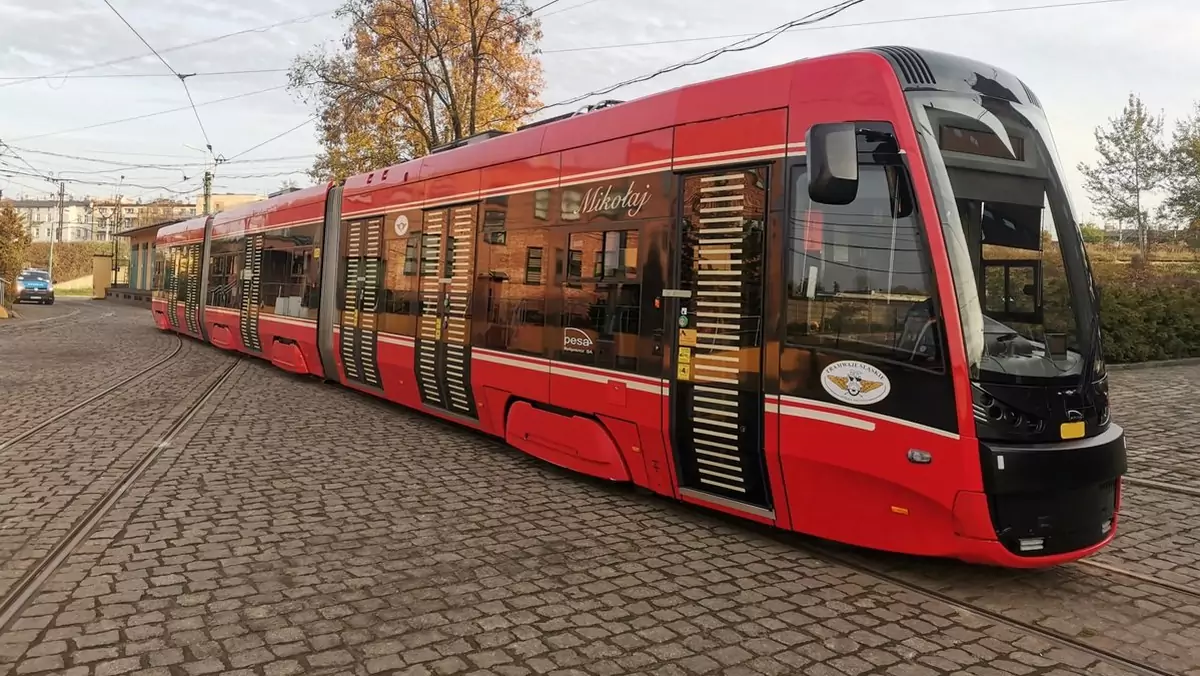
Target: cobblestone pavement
x,y
1136,620
304,528
1159,411
72,349
51,479
295,527
1159,535
29,313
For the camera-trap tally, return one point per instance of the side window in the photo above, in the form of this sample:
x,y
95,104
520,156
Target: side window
x,y
400,286
290,273
510,292
859,278
602,300
224,273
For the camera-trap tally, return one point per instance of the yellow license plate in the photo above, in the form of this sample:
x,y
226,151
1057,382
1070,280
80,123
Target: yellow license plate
x,y
1072,430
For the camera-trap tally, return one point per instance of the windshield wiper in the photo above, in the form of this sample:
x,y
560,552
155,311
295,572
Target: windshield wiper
x,y
1093,352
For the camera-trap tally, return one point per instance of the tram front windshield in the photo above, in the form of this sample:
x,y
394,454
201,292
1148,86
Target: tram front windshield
x,y
1025,292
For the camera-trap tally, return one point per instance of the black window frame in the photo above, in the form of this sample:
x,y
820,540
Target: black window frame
x,y
533,276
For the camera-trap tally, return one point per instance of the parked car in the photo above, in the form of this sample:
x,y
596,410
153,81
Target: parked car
x,y
35,285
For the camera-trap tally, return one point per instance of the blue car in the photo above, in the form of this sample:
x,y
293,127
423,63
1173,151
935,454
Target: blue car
x,y
35,285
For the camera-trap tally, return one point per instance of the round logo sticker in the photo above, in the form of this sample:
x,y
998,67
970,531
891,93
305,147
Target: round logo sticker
x,y
401,225
854,382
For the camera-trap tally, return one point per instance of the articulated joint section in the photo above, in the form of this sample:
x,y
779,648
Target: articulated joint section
x,y
1054,498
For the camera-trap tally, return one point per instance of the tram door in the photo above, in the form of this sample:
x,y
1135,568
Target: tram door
x,y
252,255
443,351
192,278
171,284
716,318
363,283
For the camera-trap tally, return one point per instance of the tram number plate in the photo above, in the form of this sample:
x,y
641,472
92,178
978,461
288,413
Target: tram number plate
x,y
1072,430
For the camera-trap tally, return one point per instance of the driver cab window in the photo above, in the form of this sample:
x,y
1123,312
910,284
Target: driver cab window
x,y
859,278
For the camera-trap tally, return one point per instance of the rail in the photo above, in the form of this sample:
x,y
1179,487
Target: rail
x,y
28,585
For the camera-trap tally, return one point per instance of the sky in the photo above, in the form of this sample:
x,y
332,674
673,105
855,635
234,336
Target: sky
x,y
1082,60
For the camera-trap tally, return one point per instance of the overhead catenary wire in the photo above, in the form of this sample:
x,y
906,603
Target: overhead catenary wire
x,y
280,135
5,147
176,165
182,77
755,41
215,73
175,48
155,114
856,24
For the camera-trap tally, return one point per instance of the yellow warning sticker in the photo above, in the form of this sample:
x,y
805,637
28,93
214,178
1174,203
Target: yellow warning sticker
x,y
316,253
1072,430
683,371
683,364
687,337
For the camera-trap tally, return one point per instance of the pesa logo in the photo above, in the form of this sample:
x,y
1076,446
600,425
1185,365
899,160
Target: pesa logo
x,y
401,225
855,382
577,340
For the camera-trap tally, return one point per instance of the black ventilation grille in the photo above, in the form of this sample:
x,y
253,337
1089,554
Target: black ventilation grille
x,y
911,65
1032,97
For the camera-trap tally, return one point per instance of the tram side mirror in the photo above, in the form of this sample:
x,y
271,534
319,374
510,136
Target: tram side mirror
x,y
832,163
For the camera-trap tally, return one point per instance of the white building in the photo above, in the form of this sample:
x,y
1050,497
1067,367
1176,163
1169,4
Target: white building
x,y
95,220
41,219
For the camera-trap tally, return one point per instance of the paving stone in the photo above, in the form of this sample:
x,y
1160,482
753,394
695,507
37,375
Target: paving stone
x,y
295,527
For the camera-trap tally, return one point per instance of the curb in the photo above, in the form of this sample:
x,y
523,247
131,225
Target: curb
x,y
1138,366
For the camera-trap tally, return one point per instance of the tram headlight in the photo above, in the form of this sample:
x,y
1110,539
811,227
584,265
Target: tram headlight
x,y
993,414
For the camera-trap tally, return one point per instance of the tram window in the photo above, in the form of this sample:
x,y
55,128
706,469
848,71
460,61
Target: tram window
x,y
859,278
510,293
410,256
400,281
602,300
159,267
225,273
290,275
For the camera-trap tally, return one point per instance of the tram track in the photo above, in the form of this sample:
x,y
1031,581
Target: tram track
x,y
1103,654
18,596
854,561
1141,577
44,423
1162,486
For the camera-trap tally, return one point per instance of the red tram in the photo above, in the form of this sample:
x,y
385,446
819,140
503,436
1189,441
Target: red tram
x,y
845,296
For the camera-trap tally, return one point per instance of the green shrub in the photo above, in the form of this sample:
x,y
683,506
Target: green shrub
x,y
71,259
1151,313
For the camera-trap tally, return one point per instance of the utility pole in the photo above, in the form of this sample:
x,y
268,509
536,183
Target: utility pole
x,y
208,177
62,193
118,225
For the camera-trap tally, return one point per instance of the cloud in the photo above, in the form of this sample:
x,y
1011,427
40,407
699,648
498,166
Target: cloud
x,y
1082,61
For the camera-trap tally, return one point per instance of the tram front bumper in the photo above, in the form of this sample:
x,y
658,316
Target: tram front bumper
x,y
1043,504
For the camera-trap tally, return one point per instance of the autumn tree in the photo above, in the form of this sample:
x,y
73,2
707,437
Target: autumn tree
x,y
1183,177
1132,162
413,75
14,240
